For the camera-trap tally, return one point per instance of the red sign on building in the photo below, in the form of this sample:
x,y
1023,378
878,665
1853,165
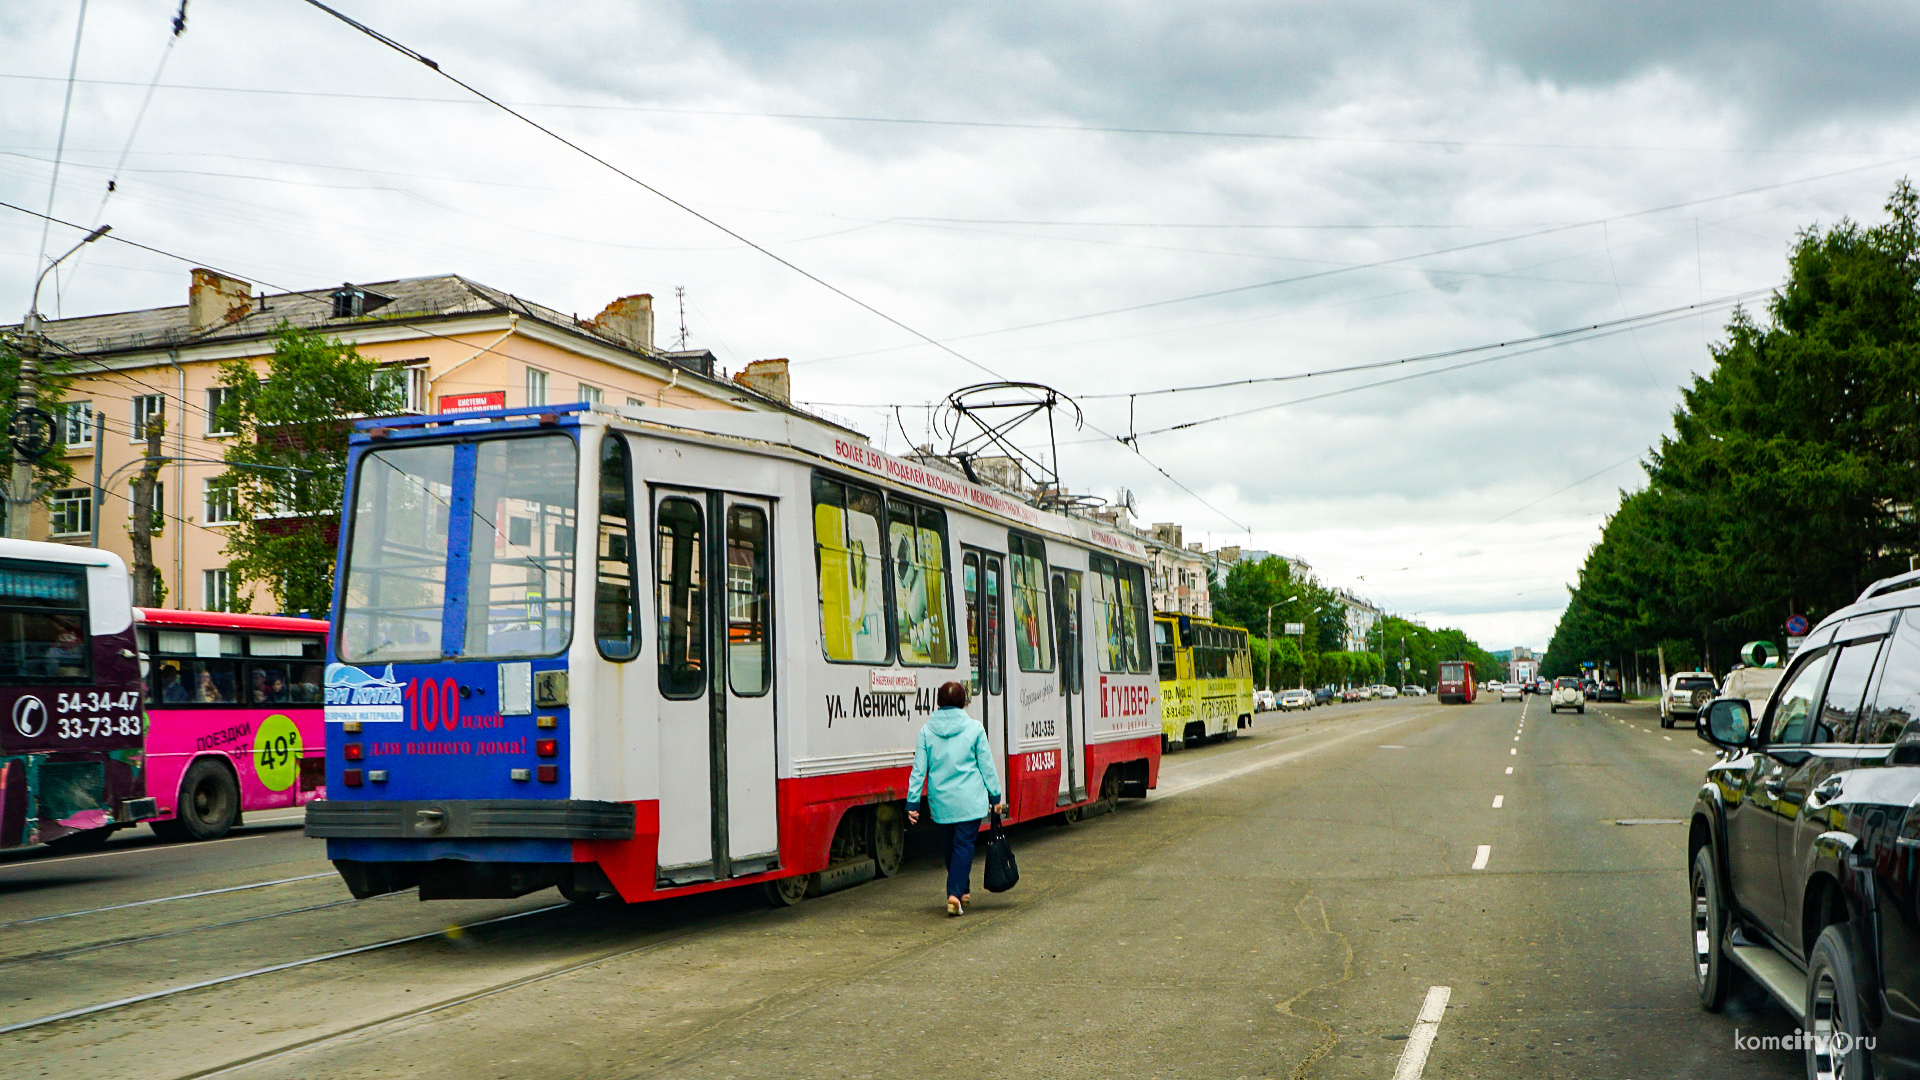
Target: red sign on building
x,y
492,399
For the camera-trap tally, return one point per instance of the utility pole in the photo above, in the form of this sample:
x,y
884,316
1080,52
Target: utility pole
x,y
29,426
144,574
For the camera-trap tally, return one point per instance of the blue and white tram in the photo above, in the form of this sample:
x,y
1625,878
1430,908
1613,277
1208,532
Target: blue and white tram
x,y
715,678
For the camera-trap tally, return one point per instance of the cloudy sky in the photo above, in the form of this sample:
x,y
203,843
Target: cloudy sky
x,y
1108,198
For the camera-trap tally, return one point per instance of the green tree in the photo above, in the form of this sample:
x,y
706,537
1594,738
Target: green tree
x,y
50,470
288,460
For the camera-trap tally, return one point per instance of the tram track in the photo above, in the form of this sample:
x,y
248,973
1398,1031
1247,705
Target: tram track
x,y
165,899
61,954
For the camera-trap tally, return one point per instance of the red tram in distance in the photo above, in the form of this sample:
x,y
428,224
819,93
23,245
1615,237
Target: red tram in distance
x,y
1456,682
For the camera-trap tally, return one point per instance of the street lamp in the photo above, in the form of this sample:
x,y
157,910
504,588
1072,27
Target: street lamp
x,y
27,388
1270,607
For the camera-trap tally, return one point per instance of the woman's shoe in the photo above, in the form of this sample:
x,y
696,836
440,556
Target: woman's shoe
x,y
954,908
965,899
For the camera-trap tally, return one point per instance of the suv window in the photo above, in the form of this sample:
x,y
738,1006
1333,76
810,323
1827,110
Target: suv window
x,y
1696,682
1793,706
1846,690
1898,702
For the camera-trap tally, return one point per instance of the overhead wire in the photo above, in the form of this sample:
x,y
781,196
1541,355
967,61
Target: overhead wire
x,y
60,144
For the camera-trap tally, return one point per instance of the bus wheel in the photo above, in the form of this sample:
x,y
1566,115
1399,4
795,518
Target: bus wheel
x,y
787,891
91,840
209,801
889,839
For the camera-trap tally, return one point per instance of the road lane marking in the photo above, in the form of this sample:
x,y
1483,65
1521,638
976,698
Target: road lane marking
x,y
1497,800
1515,751
1509,770
166,899
1702,753
1413,1059
1480,856
1669,738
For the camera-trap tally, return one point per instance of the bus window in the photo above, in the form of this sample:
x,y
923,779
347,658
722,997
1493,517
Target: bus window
x,y
917,537
747,661
267,684
853,565
683,601
43,623
520,580
1032,615
615,626
396,572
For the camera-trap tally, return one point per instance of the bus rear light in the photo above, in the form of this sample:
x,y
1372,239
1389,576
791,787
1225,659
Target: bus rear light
x,y
378,776
549,774
520,774
351,751
547,747
350,777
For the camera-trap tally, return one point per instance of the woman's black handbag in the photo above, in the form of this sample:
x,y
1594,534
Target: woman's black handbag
x,y
1003,872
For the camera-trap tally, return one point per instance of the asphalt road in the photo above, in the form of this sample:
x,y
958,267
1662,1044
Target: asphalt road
x,y
1283,906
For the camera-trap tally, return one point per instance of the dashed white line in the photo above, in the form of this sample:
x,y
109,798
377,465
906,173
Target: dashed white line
x,y
1510,768
1413,1059
1669,738
1515,751
1480,856
1702,753
1498,800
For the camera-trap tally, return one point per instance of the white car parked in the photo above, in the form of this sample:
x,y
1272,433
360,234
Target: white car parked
x,y
1295,699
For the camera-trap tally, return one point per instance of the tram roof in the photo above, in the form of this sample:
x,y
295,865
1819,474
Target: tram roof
x,y
777,432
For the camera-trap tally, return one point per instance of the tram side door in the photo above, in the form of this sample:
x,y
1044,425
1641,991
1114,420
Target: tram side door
x,y
1066,616
713,567
983,580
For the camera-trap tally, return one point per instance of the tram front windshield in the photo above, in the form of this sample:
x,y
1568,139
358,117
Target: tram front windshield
x,y
515,504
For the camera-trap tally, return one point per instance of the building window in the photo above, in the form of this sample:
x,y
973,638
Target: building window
x,y
408,379
216,590
159,505
590,394
70,512
147,407
536,387
636,403
76,423
222,506
218,399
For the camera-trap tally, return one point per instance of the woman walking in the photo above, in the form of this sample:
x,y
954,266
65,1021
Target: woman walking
x,y
954,766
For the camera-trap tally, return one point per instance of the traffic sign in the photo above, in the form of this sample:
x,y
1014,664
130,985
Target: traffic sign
x,y
1796,626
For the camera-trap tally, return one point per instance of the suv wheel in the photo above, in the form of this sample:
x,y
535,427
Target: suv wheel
x,y
1713,973
1833,1010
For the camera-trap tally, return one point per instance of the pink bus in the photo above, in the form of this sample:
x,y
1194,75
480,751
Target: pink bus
x,y
233,716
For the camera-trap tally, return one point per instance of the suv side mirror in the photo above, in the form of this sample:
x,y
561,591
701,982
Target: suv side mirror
x,y
1726,723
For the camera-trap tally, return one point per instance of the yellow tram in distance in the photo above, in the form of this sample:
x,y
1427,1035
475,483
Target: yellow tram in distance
x,y
1206,680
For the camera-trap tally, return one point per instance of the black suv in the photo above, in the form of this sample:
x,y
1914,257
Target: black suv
x,y
1805,840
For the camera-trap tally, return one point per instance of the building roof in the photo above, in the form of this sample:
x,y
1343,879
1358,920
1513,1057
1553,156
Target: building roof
x,y
408,301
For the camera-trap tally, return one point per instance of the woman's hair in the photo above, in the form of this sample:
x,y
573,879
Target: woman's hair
x,y
952,695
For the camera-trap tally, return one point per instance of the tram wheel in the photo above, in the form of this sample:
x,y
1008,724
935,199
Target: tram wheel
x,y
889,839
1110,789
91,840
209,801
787,891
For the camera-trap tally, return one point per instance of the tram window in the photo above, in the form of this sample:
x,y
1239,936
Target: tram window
x,y
1163,646
1120,618
747,600
1133,605
520,595
616,626
396,575
679,569
917,539
996,640
970,588
852,562
1032,614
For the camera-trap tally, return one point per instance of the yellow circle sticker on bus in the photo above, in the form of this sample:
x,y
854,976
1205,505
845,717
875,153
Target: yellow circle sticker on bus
x,y
276,753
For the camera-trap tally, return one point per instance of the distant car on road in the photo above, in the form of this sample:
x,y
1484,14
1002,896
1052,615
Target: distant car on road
x,y
1511,692
1413,691
1295,699
1326,695
1685,693
1801,844
1567,695
1386,692
1353,693
1263,700
1609,691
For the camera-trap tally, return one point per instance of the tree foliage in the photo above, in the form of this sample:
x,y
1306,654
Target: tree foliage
x,y
51,469
288,461
1789,482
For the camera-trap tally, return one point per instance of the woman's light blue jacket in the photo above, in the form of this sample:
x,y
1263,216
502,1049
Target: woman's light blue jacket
x,y
954,765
